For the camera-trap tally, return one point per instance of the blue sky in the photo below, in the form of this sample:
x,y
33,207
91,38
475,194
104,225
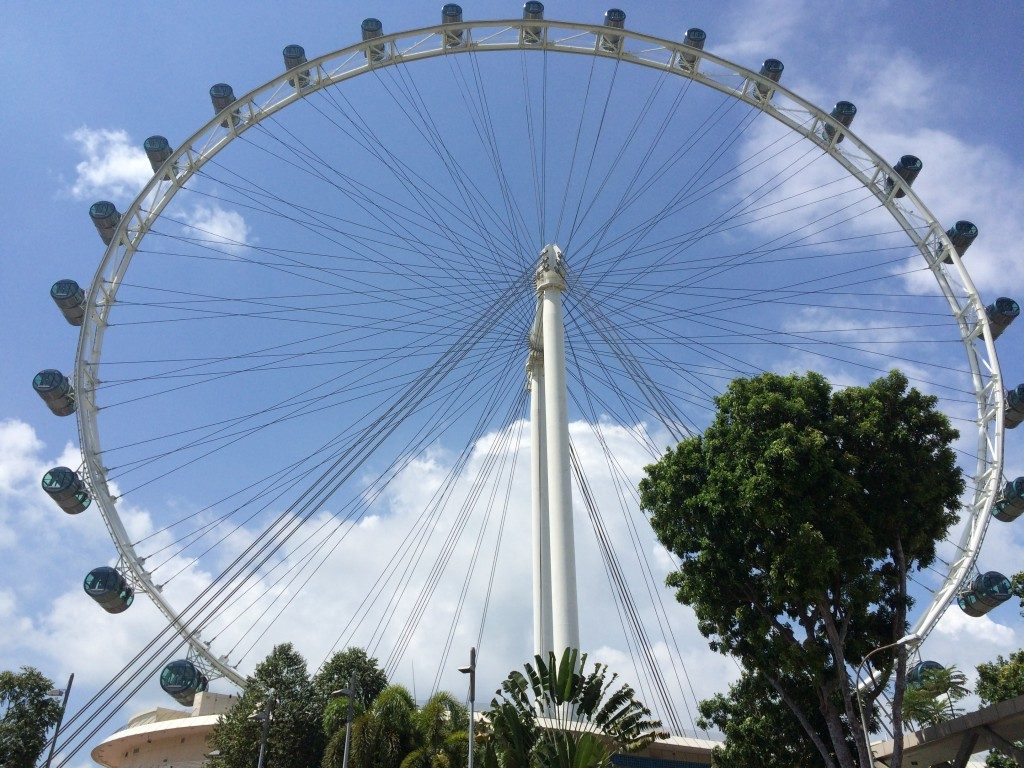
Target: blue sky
x,y
84,90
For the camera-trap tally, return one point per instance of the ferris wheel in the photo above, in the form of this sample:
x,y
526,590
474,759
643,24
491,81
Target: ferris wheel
x,y
308,332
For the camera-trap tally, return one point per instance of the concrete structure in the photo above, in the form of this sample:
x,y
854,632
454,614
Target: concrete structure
x,y
952,743
555,609
165,738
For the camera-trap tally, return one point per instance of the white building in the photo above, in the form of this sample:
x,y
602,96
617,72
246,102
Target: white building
x,y
165,738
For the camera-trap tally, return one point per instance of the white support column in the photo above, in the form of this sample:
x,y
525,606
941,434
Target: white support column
x,y
565,615
542,642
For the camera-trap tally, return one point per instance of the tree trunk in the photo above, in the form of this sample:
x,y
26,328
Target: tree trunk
x,y
843,681
801,717
901,660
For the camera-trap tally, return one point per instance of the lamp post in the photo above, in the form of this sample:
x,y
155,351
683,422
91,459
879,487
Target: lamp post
x,y
264,717
905,640
471,671
350,692
60,718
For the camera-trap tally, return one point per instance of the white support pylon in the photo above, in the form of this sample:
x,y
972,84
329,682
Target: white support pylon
x,y
542,641
550,337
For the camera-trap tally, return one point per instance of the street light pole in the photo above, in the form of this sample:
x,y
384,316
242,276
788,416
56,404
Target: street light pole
x,y
350,693
60,719
268,707
906,640
471,671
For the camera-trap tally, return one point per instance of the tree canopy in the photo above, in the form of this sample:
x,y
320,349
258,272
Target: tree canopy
x,y
295,737
796,517
1000,680
335,673
26,714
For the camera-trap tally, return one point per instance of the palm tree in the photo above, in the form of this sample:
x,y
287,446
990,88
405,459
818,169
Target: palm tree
x,y
558,715
382,737
441,726
933,700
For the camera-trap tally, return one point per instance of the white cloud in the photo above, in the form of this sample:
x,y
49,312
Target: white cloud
x,y
113,166
760,30
966,629
221,228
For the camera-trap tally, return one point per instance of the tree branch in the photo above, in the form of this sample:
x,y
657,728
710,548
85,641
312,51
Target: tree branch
x,y
802,719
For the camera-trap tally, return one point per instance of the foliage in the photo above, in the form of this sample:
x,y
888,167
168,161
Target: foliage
x,y
392,733
558,715
382,737
934,700
26,714
295,738
796,517
760,731
1000,680
335,674
442,726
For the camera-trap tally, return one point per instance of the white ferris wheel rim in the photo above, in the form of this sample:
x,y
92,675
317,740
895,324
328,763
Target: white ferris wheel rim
x,y
782,104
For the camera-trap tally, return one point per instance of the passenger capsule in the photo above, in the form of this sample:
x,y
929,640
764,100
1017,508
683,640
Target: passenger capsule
x,y
843,112
915,675
614,18
1001,313
771,69
222,96
1010,504
105,217
372,29
988,591
70,299
694,38
183,680
533,11
907,168
1014,413
56,391
66,488
452,14
109,588
158,149
295,56
961,234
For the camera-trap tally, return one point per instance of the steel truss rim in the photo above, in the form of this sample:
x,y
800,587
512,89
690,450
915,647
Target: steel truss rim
x,y
506,35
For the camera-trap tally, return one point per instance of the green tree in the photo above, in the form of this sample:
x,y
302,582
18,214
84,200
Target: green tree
x,y
1000,680
442,733
584,723
26,714
382,737
934,699
334,676
797,516
295,738
760,731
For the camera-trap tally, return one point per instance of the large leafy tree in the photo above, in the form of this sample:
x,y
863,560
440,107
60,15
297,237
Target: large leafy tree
x,y
556,714
1000,680
334,675
295,736
796,517
26,714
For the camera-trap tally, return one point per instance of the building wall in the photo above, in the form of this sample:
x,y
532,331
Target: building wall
x,y
165,738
